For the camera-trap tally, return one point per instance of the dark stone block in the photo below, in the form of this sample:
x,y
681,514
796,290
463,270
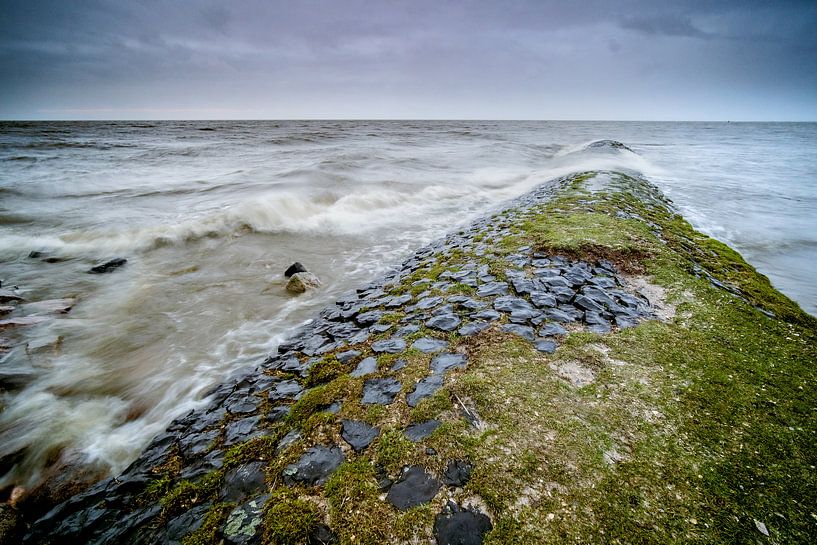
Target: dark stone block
x,y
418,432
473,328
358,434
243,481
414,488
525,332
366,366
429,344
444,322
295,268
461,527
395,345
457,473
108,266
380,391
424,388
442,363
314,467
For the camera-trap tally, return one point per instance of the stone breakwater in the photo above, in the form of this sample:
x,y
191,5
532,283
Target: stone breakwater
x,y
273,438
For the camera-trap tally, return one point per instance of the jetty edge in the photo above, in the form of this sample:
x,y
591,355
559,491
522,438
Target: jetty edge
x,y
582,366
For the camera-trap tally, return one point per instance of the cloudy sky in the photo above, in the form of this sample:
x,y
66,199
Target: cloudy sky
x,y
454,59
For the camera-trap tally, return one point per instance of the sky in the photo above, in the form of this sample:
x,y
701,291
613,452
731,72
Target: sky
x,y
440,59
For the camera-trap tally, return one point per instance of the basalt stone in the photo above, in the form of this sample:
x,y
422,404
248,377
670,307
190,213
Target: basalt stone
x,y
445,362
289,364
445,309
332,314
367,366
525,332
397,301
473,328
492,288
358,434
563,295
197,443
470,304
429,344
346,357
244,525
428,302
524,316
418,432
186,523
599,328
394,345
289,439
398,364
242,404
243,481
603,282
286,389
547,272
545,345
278,413
557,315
461,527
380,328
360,337
488,314
457,473
240,430
587,303
542,299
108,266
369,318
575,279
213,461
407,330
295,268
444,322
314,467
600,297
415,487
423,389
380,391
510,303
540,262
573,312
626,321
555,282
550,330
523,286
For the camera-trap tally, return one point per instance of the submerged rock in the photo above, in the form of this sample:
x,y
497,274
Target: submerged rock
x,y
302,281
108,266
8,296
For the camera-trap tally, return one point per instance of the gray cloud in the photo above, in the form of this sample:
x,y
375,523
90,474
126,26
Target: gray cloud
x,y
514,59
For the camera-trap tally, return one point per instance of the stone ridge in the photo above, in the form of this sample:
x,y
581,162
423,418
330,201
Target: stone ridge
x,y
533,295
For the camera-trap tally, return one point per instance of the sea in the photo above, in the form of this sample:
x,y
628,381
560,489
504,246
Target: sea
x,y
209,214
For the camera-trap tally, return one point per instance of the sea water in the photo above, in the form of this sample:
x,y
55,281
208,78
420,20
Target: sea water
x,y
210,214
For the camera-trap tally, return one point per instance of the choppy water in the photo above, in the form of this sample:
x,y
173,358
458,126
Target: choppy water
x,y
209,214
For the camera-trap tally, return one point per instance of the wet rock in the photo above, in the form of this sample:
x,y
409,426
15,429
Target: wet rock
x,y
295,268
380,328
429,344
397,301
346,357
586,303
53,306
243,481
558,315
108,266
286,389
244,525
552,330
444,322
423,389
358,434
473,328
240,430
461,527
368,318
278,413
358,338
380,391
407,330
6,309
442,363
545,345
186,523
302,281
457,473
542,299
290,438
509,303
563,295
395,345
367,366
414,488
197,443
22,321
314,467
523,331
488,314
492,288
418,432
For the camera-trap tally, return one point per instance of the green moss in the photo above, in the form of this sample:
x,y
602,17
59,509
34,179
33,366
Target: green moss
x,y
357,514
187,493
393,450
257,448
324,371
289,519
207,534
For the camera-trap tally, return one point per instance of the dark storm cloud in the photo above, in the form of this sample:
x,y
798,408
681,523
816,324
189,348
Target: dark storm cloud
x,y
514,59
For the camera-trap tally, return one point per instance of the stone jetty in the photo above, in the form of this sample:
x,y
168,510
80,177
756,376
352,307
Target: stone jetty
x,y
491,388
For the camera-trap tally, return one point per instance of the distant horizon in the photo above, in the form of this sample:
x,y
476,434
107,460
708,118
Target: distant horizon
x,y
295,119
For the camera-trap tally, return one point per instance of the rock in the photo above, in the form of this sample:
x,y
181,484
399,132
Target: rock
x,y
367,366
761,527
395,345
380,328
301,282
398,364
368,318
542,299
563,295
445,362
558,315
520,330
624,322
358,434
461,527
492,288
295,268
397,301
488,314
473,328
551,330
457,473
346,357
244,525
186,523
314,467
53,306
6,309
243,481
407,330
429,344
423,389
286,389
239,430
586,303
108,266
545,345
418,432
197,444
509,303
414,488
444,322
380,391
